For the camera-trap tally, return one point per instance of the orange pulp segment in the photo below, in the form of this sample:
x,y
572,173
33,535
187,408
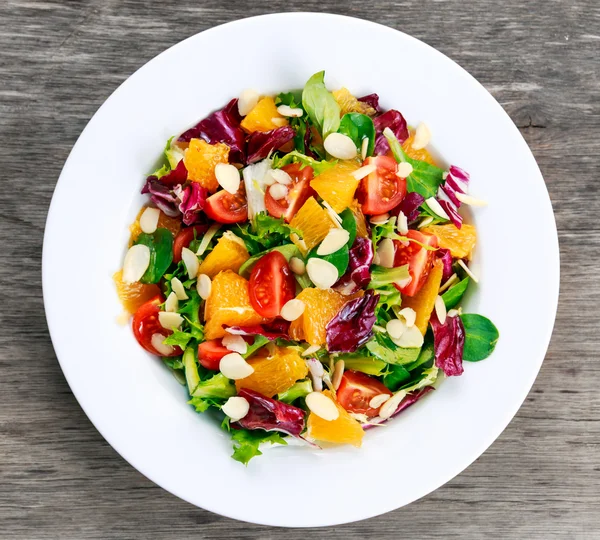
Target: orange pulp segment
x,y
361,222
343,430
228,254
133,295
313,221
348,103
201,159
460,242
336,186
424,301
422,154
263,117
164,222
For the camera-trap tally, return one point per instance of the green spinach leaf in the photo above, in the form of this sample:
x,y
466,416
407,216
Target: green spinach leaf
x,y
481,337
454,294
349,223
160,243
358,127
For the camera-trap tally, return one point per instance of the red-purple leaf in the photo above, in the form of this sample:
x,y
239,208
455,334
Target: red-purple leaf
x,y
448,344
410,206
191,201
372,100
177,176
353,325
270,414
409,400
162,196
396,122
221,127
279,328
446,258
358,275
262,143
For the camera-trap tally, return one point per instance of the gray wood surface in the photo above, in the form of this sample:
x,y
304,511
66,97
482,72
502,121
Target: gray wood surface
x,y
60,60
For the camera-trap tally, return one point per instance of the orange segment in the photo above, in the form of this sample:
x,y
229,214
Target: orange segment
x,y
337,185
133,295
361,222
321,307
275,371
343,430
422,155
424,300
201,159
228,304
228,254
314,223
460,242
164,221
348,103
263,117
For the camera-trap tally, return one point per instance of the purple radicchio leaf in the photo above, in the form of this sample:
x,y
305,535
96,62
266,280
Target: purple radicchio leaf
x,y
372,100
457,181
279,328
409,399
353,325
357,275
410,206
191,199
162,196
270,414
396,122
445,256
177,176
262,143
221,127
448,344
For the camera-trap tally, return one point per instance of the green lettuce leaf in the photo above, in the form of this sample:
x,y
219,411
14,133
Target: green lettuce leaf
x,y
264,233
298,390
322,108
246,443
294,156
381,276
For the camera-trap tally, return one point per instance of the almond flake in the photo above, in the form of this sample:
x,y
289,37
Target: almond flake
x,y
279,122
281,177
149,220
380,219
137,260
233,366
278,191
422,136
204,286
471,201
247,101
322,406
208,236
178,289
172,303
449,282
190,260
364,148
359,174
426,221
468,271
170,320
286,110
236,408
340,146
337,220
402,224
235,343
297,266
405,169
228,177
338,372
440,309
317,373
409,315
322,273
292,309
386,252
311,350
395,328
411,338
390,406
335,240
378,400
157,342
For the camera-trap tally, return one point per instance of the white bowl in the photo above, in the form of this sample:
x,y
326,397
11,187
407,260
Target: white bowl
x,y
135,402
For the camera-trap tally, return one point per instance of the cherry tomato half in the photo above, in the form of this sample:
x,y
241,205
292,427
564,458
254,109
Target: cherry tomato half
x,y
145,325
419,260
298,191
224,207
356,390
381,190
184,238
271,284
210,353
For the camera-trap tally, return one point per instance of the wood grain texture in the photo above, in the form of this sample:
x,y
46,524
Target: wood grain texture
x,y
60,60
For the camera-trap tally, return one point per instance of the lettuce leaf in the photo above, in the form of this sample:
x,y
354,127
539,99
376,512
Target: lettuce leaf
x,y
320,105
246,443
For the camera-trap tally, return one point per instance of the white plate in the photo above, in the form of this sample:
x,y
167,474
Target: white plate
x,y
135,402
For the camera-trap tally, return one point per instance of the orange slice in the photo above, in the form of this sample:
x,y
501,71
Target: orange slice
x,y
348,103
263,117
228,254
201,159
337,185
313,221
276,369
133,295
422,155
361,222
343,430
424,301
460,242
164,221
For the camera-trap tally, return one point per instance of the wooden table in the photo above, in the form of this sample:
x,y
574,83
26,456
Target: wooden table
x,y
60,60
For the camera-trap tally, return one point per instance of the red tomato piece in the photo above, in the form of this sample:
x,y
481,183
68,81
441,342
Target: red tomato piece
x,y
381,190
224,207
271,284
145,325
298,191
419,260
184,238
356,390
210,353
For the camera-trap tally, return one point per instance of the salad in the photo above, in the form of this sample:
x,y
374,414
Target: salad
x,y
300,265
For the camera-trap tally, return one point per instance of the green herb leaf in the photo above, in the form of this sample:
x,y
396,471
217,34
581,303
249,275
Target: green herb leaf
x,y
358,127
259,341
481,337
160,244
287,250
395,377
322,108
454,294
246,443
364,363
385,349
298,390
349,223
294,156
217,387
340,259
426,355
264,233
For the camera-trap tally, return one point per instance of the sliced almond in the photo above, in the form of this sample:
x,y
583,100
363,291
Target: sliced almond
x,y
230,235
281,177
297,266
204,286
236,408
378,400
335,240
278,191
172,303
279,122
376,258
471,201
468,271
440,309
235,343
405,169
178,289
402,225
411,338
322,406
409,315
170,320
157,342
247,101
228,177
208,236
311,350
233,366
390,405
403,282
317,373
337,220
190,260
292,309
338,373
386,252
359,174
364,148
340,146
449,282
426,221
453,312
149,220
436,208
395,328
136,263
322,273
422,136
286,110
380,219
